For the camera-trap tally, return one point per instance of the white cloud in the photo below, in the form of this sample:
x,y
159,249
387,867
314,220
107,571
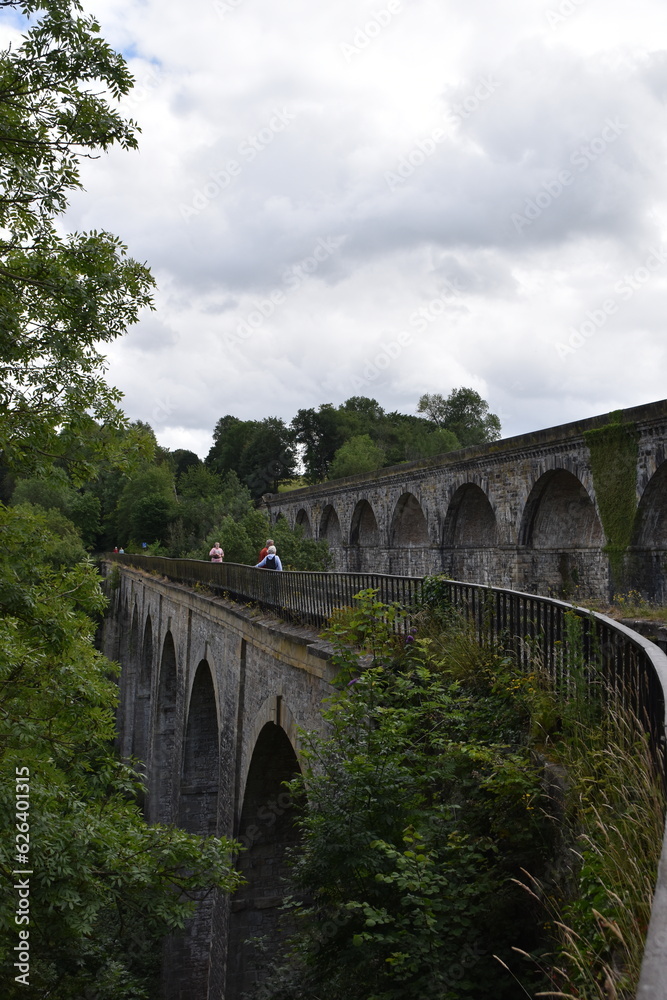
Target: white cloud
x,y
260,139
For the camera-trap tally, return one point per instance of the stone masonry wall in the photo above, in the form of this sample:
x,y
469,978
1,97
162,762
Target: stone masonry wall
x,y
219,679
520,513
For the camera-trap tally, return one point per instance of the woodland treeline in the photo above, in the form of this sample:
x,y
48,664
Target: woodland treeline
x,y
180,505
329,442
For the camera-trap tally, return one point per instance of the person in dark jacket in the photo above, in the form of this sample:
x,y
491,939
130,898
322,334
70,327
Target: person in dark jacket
x,y
270,560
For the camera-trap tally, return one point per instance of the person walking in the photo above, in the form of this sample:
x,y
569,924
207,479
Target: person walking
x,y
270,560
216,553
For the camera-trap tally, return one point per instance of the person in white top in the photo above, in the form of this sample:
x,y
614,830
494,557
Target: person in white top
x,y
216,553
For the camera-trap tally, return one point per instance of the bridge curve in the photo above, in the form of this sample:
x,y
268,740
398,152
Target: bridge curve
x,y
535,512
223,692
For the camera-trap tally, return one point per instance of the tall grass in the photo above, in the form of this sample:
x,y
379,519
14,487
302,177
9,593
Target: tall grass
x,y
608,801
612,812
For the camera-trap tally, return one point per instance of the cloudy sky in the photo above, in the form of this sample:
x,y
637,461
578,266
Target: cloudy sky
x,y
386,198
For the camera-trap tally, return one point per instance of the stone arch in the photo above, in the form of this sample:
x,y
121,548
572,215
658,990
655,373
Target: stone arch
x,y
330,526
134,634
559,513
651,522
408,524
128,680
188,957
303,521
125,632
561,539
163,762
470,521
267,829
274,710
198,797
364,528
647,565
141,716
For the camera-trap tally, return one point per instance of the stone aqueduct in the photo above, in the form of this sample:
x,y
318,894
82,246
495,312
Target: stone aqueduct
x,y
211,699
523,513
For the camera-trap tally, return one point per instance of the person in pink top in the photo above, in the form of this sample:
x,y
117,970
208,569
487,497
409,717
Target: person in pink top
x,y
216,553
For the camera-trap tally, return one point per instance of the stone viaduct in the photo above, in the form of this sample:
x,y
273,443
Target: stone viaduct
x,y
574,511
211,698
213,695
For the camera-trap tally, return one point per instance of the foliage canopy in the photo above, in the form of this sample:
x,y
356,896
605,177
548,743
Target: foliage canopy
x,y
105,887
423,804
60,295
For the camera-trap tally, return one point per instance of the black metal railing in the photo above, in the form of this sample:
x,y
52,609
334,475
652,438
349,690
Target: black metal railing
x,y
571,645
302,597
630,669
567,641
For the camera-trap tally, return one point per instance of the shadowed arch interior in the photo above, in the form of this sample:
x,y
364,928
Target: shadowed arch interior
x,y
303,522
125,636
129,659
142,698
651,521
559,514
134,634
266,830
198,800
364,529
470,521
330,526
408,525
162,762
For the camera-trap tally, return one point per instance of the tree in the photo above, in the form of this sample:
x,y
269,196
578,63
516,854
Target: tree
x,y
320,433
464,412
184,460
138,445
422,802
357,455
230,437
368,408
297,552
60,296
269,458
438,442
260,452
198,482
104,886
146,506
82,509
405,437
